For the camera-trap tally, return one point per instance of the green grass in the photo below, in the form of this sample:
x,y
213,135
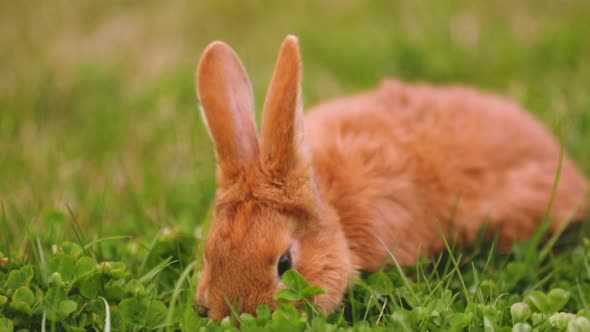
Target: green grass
x,y
103,157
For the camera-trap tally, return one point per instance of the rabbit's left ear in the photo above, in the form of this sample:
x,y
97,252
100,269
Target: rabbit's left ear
x,y
281,140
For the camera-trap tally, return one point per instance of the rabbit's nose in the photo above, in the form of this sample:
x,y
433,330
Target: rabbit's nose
x,y
203,310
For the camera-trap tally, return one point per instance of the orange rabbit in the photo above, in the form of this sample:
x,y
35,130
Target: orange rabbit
x,y
393,165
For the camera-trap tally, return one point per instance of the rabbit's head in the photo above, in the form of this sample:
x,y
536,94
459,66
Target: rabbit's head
x,y
268,214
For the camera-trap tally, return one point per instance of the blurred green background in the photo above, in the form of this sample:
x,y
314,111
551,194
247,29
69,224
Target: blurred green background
x,y
98,113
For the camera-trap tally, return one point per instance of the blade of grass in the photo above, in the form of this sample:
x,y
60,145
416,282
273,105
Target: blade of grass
x,y
234,314
485,268
154,272
177,289
398,267
108,238
531,255
107,318
557,234
77,230
381,312
582,295
368,307
7,234
42,260
456,265
150,248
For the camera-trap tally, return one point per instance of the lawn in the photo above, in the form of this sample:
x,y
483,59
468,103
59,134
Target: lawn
x,y
107,173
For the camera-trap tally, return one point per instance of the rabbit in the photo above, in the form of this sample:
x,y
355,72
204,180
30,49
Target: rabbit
x,y
330,193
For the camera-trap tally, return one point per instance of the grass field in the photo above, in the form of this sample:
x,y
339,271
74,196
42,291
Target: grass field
x,y
106,171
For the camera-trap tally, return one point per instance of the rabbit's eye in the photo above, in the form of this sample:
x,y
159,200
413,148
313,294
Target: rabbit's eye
x,y
285,263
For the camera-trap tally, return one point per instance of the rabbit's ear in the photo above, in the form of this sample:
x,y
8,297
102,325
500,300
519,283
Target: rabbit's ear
x,y
281,139
227,106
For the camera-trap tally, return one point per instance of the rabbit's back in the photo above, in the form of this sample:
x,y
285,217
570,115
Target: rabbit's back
x,y
404,160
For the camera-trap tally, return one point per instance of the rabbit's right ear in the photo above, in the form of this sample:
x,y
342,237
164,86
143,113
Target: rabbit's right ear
x,y
227,107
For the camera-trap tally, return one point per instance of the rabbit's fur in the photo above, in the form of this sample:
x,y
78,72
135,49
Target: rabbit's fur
x,y
392,166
